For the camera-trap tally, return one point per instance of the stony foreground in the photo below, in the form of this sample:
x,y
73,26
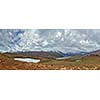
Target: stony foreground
x,y
75,63
39,66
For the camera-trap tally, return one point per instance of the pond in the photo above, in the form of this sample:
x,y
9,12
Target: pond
x,y
61,58
27,60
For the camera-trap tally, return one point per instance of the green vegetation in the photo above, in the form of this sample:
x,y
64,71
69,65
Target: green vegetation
x,y
75,61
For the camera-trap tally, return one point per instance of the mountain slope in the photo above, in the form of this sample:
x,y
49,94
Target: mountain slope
x,y
94,53
36,54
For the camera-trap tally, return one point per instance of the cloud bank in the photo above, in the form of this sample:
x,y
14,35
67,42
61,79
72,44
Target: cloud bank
x,y
65,40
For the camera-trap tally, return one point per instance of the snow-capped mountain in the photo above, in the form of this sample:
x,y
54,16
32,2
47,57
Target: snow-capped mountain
x,y
65,40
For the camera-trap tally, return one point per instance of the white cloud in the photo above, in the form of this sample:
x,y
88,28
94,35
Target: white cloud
x,y
58,34
45,43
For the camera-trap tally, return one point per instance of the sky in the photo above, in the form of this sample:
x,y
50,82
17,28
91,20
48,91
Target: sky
x,y
65,40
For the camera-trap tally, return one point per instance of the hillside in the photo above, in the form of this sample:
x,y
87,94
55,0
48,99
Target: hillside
x,y
7,62
36,54
93,53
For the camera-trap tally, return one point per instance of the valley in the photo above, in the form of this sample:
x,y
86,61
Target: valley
x,y
48,61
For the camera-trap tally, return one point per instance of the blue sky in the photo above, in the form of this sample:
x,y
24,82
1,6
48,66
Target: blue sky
x,y
65,40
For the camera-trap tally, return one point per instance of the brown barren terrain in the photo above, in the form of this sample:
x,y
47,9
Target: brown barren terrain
x,y
74,63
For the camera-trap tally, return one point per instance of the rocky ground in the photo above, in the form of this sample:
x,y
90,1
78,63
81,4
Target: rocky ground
x,y
87,63
11,65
